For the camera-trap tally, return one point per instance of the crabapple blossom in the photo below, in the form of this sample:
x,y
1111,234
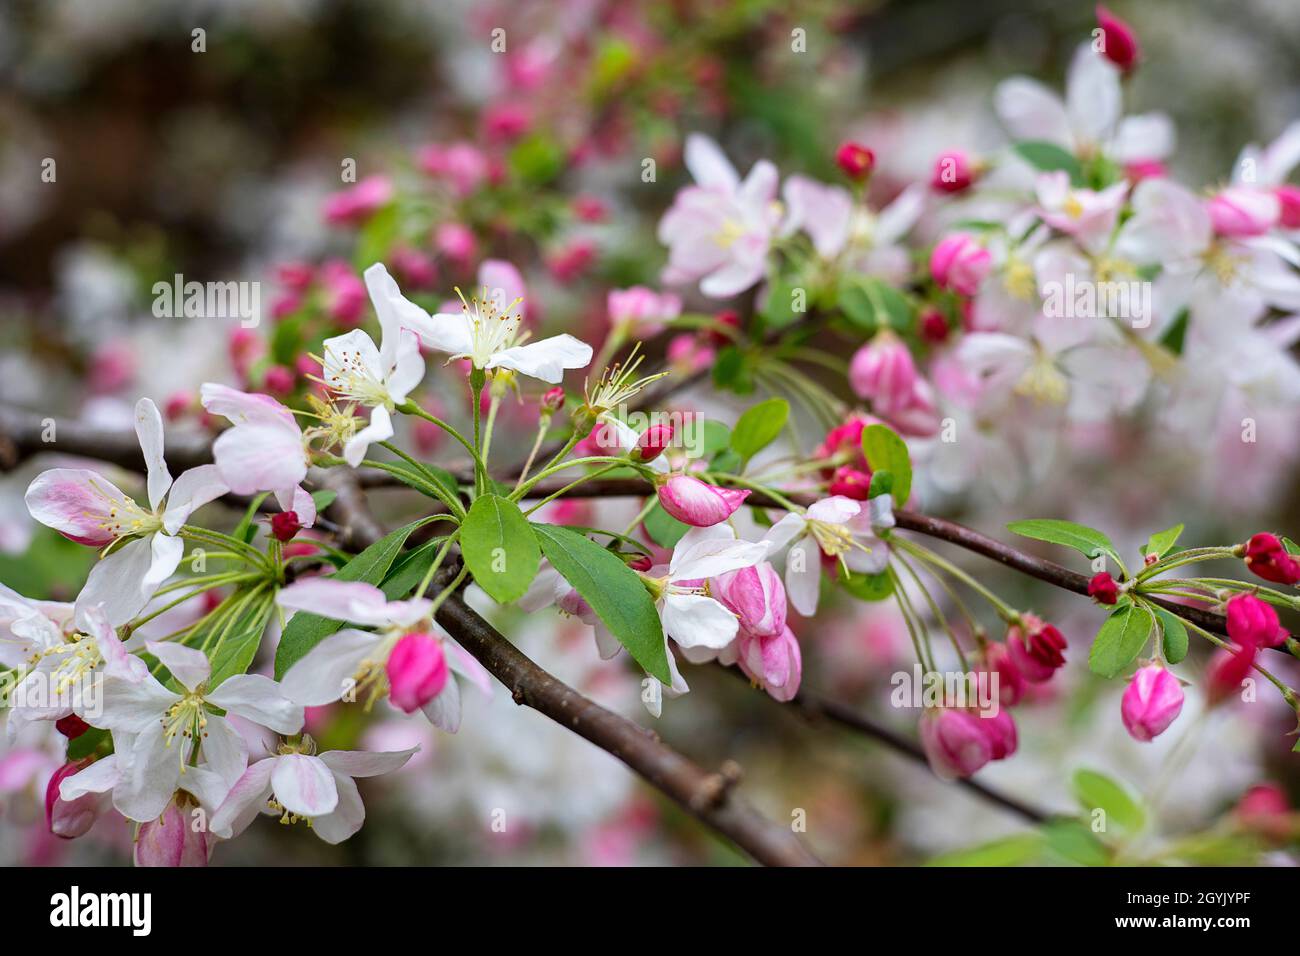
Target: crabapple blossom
x,y
1269,559
1102,588
828,527
1253,621
960,263
641,312
1036,648
696,502
1152,701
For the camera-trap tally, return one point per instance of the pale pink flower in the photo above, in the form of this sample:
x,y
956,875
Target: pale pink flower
x,y
774,662
756,596
824,212
264,451
831,527
641,312
959,263
1243,211
719,230
1086,215
696,502
359,202
954,742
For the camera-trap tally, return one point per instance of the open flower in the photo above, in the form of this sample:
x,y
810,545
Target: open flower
x,y
296,784
89,509
827,527
155,730
719,230
774,662
488,331
353,661
264,451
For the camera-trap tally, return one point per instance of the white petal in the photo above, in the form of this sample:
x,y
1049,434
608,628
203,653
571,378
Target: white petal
x,y
445,332
149,429
117,582
100,777
150,772
167,552
224,750
693,620
260,457
1092,93
351,354
379,429
208,786
325,672
465,664
607,645
131,707
708,559
340,600
406,368
444,710
546,359
784,531
260,700
304,785
348,815
802,586
1030,111
245,800
394,310
191,491
708,165
189,665
359,763
836,509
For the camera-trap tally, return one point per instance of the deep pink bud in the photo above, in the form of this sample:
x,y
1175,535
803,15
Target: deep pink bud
x,y
851,483
1036,648
883,371
959,263
172,840
697,503
934,327
756,596
71,726
1119,42
177,404
278,380
70,818
1265,809
856,160
456,242
1011,683
1241,211
1228,668
1253,621
954,742
358,203
652,442
1000,730
953,172
1268,558
553,400
642,562
1288,198
285,525
417,671
1153,700
728,318
1103,589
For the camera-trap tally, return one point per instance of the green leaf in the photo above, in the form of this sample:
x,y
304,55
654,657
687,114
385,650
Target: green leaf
x,y
778,309
304,631
714,437
409,569
234,651
759,426
428,480
323,498
92,741
1089,541
1009,851
1175,334
1291,546
1162,541
1173,635
1120,640
1076,843
732,371
377,236
500,548
869,587
1096,791
614,591
663,528
872,304
1048,157
882,483
885,451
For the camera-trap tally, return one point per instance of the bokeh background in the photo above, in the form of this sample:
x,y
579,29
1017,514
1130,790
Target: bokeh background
x,y
216,165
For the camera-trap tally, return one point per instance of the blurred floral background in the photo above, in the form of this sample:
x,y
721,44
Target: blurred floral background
x,y
227,163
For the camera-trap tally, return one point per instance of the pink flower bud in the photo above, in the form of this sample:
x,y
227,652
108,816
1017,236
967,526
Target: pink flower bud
x,y
1241,211
71,726
553,400
1265,809
727,318
883,371
1036,648
178,404
416,269
1152,701
641,562
954,742
456,242
688,354
756,596
358,203
775,663
1227,669
1268,558
244,347
1103,589
571,261
505,121
70,818
296,276
1253,621
934,327
856,161
953,172
642,311
589,209
1119,42
1288,198
172,840
278,380
345,293
417,671
285,525
851,483
697,503
462,164
1141,169
1000,730
959,263
1011,683
652,442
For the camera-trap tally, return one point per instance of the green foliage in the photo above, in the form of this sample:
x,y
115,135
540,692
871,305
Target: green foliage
x,y
873,304
1173,635
758,427
1120,640
885,451
1162,541
500,548
1089,541
1096,791
1048,157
